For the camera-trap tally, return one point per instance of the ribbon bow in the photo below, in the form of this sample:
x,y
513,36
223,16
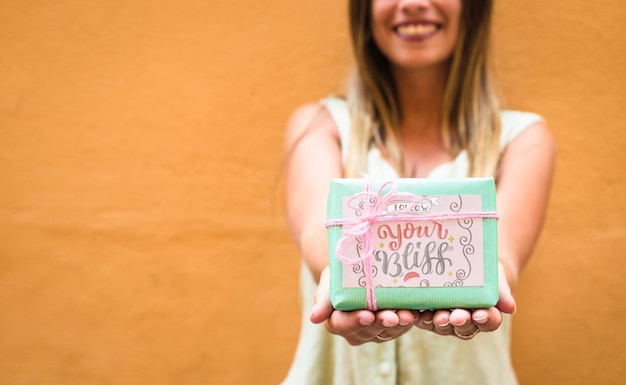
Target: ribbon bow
x,y
371,208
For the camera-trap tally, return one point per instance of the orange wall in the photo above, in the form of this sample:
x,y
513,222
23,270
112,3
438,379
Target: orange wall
x,y
141,230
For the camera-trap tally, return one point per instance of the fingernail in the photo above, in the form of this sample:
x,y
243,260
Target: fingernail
x,y
404,323
428,322
461,324
481,320
387,324
444,324
366,321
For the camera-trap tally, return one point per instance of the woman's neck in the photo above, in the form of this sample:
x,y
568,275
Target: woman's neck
x,y
420,97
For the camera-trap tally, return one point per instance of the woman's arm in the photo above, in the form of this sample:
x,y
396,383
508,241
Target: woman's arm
x,y
523,188
522,192
313,159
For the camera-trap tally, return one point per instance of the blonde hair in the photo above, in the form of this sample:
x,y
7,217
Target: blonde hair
x,y
470,109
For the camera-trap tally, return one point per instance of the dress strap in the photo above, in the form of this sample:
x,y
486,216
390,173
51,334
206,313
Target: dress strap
x,y
338,109
514,123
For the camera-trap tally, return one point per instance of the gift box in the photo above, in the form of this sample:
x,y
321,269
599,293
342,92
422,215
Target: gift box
x,y
413,243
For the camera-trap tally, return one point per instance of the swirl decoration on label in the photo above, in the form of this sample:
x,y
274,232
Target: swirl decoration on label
x,y
466,242
370,208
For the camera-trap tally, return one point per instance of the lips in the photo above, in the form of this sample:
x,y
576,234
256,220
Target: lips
x,y
418,30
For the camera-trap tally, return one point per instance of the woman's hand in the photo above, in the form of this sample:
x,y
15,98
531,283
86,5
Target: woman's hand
x,y
466,323
361,326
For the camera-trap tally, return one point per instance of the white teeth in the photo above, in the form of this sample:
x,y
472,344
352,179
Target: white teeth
x,y
417,29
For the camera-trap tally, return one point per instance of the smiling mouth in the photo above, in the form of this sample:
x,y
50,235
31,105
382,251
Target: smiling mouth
x,y
416,30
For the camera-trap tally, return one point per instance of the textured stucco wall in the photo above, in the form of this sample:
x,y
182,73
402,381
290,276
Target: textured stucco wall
x,y
567,60
141,230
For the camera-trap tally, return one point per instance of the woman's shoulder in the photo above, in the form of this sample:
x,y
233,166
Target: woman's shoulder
x,y
324,111
310,119
526,131
516,117
514,123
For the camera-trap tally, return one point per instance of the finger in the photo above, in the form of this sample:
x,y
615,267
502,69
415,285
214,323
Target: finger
x,y
392,333
389,324
393,320
460,317
425,321
386,322
441,322
392,324
487,320
506,302
382,326
322,308
350,323
407,317
461,320
387,318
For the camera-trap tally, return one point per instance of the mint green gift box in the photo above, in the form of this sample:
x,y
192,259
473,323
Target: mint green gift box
x,y
426,243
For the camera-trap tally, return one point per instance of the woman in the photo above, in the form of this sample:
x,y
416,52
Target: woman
x,y
420,106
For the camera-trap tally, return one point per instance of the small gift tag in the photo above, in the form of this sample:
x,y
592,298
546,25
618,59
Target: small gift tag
x,y
413,243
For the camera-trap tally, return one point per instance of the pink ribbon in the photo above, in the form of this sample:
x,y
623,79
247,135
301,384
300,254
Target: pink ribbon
x,y
371,208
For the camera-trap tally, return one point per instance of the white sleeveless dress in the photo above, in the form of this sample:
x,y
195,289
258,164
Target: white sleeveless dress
x,y
418,357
